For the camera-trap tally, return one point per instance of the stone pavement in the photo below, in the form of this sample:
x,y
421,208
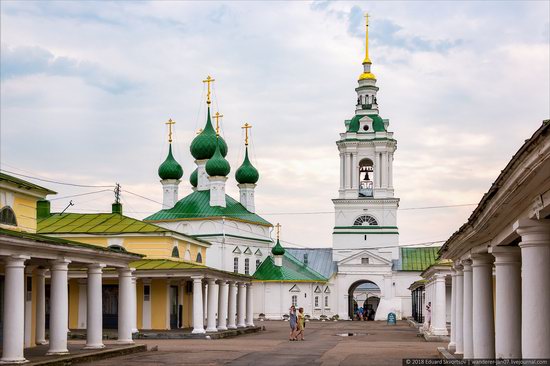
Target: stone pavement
x,y
375,343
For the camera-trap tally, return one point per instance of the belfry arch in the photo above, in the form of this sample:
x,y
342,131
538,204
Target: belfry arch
x,y
366,178
363,294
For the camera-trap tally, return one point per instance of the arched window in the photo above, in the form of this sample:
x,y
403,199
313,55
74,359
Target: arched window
x,y
118,248
365,220
175,252
199,258
236,265
7,216
366,182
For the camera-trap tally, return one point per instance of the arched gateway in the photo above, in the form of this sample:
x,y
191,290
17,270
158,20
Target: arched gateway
x,y
363,294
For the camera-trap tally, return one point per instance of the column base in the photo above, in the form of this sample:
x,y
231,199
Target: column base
x,y
211,329
451,347
439,332
94,346
135,330
231,327
221,329
125,341
40,343
241,325
249,324
57,353
13,361
198,331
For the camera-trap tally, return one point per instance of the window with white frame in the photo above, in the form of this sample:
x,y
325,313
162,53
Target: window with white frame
x,y
326,302
246,266
365,220
236,265
316,301
258,262
294,300
364,261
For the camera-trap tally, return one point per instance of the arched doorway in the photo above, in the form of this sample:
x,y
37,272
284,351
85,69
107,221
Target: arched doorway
x,y
363,294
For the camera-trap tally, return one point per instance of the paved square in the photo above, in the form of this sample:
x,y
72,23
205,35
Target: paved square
x,y
375,344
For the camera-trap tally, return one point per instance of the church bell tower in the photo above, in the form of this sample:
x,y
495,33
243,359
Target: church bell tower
x,y
366,209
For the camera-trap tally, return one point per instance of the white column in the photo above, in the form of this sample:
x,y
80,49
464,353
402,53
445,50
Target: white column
x,y
125,303
347,167
250,307
222,305
198,317
342,171
383,170
427,318
134,305
535,297
59,308
241,308
467,336
94,310
212,305
82,303
354,171
41,306
232,306
28,305
377,170
439,326
204,304
482,304
14,315
459,300
390,170
452,344
508,306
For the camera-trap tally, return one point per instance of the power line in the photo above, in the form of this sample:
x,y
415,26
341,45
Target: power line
x,y
79,195
56,182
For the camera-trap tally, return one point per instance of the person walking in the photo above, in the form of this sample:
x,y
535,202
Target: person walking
x,y
301,325
293,323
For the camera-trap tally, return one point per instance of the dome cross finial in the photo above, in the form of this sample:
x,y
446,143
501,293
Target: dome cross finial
x,y
208,81
170,123
217,116
246,127
278,227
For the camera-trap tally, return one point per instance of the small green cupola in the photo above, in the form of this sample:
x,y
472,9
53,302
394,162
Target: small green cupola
x,y
247,173
194,178
217,166
204,145
170,168
278,249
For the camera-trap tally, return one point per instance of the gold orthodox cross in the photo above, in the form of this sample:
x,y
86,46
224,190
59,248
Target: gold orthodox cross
x,y
217,116
278,227
170,123
246,127
208,81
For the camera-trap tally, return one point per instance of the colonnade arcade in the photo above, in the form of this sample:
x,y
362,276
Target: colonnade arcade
x,y
27,263
500,298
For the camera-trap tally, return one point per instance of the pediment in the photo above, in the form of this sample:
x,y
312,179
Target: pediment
x,y
237,250
374,259
294,288
247,251
258,252
317,290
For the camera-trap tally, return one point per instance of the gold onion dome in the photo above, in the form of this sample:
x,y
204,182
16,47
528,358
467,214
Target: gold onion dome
x,y
194,178
204,145
278,249
247,174
217,166
170,168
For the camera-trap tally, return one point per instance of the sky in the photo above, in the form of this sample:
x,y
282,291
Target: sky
x,y
86,88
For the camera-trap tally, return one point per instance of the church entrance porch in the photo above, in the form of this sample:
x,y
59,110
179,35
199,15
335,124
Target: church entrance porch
x,y
363,300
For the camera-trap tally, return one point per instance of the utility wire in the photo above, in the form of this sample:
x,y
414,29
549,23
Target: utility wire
x,y
56,182
78,195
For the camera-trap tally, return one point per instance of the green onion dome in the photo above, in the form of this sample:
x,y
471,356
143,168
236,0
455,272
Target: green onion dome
x,y
204,145
217,166
246,172
278,249
194,178
170,168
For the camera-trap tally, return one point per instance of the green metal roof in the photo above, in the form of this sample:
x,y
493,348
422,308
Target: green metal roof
x,y
23,183
197,206
100,224
377,123
292,270
418,259
156,264
58,241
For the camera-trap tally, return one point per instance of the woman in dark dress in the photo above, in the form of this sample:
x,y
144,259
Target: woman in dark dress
x,y
293,323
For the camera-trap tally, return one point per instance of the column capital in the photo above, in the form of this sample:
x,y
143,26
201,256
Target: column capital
x,y
482,259
533,232
125,271
249,284
15,261
41,272
439,276
196,279
61,264
458,267
241,284
221,282
96,268
211,281
506,255
467,265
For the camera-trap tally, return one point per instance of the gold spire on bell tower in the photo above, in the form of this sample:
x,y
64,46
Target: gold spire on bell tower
x,y
170,123
367,62
367,59
246,127
208,81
